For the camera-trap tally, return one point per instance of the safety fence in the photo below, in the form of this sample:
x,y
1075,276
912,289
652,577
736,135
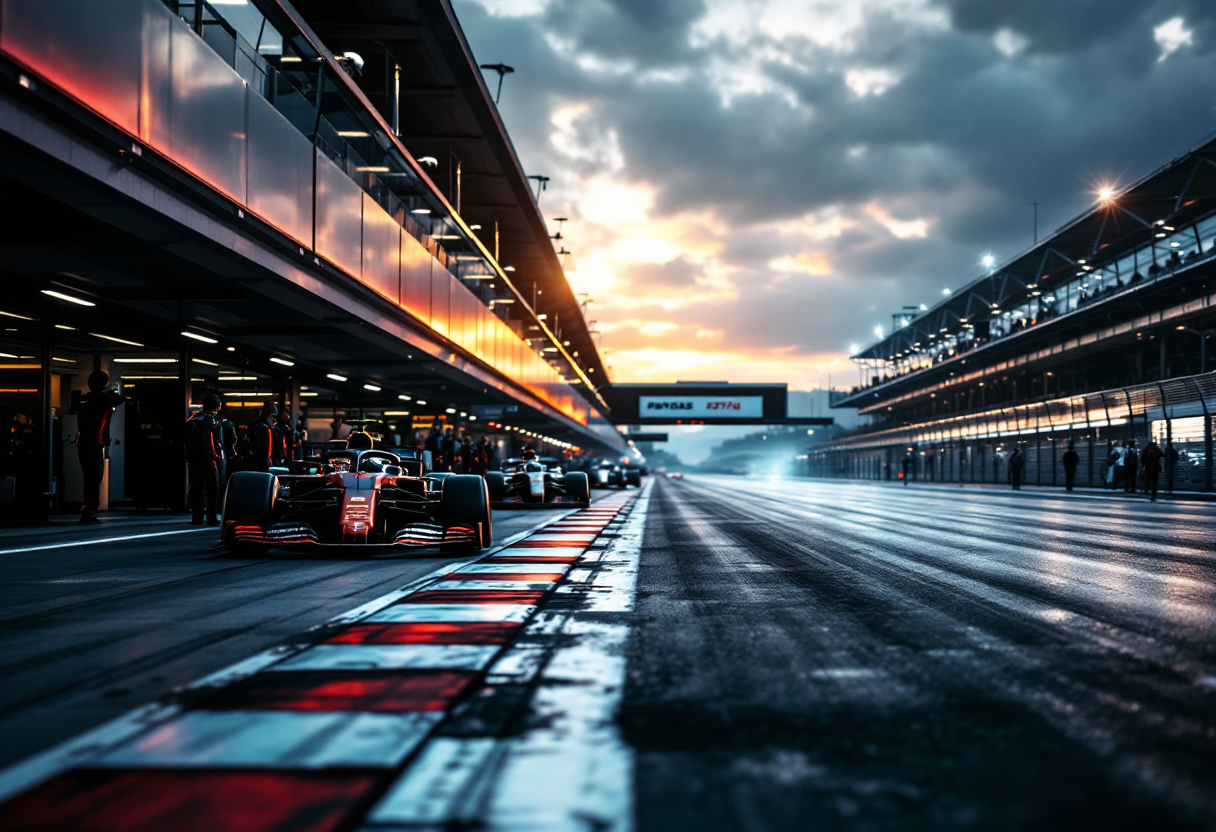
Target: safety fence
x,y
976,447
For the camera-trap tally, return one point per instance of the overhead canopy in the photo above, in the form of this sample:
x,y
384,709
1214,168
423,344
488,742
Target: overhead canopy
x,y
447,112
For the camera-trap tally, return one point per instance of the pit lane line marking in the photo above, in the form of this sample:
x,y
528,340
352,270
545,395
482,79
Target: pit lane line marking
x,y
93,743
95,541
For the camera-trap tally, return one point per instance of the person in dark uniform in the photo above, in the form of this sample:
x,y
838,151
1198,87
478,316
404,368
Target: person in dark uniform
x,y
1131,464
481,459
261,438
93,412
283,439
431,446
466,453
1016,463
204,440
907,468
1071,461
488,452
1171,465
1150,462
447,449
226,465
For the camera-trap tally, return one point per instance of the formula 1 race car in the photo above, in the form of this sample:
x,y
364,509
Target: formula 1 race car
x,y
537,480
611,475
348,498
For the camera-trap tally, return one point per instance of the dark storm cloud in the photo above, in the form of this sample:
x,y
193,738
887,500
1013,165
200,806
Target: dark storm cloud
x,y
1076,25
641,31
1003,104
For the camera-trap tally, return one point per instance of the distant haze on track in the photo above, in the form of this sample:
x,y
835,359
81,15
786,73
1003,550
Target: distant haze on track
x,y
755,186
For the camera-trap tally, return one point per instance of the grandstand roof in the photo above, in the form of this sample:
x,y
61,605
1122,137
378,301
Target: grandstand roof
x,y
1176,194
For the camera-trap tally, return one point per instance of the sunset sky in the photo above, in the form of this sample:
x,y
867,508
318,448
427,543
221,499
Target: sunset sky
x,y
754,185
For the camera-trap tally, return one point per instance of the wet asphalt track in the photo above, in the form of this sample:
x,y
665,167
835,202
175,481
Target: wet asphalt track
x,y
829,656
89,632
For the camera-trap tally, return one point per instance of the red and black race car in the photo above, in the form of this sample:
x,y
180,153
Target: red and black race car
x,y
349,498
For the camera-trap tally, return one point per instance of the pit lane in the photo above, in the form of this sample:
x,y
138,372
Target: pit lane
x,y
98,621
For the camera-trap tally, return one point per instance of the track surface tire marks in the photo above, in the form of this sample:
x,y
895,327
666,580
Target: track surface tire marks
x,y
812,656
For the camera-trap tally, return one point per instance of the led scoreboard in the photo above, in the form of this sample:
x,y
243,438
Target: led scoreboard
x,y
697,403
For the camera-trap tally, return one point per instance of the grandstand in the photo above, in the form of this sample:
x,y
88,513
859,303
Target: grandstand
x,y
1098,334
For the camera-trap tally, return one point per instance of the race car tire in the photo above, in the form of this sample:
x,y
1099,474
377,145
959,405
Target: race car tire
x,y
578,487
249,501
466,502
496,484
633,478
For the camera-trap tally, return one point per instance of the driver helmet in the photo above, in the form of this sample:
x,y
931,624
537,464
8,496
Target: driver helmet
x,y
359,441
529,455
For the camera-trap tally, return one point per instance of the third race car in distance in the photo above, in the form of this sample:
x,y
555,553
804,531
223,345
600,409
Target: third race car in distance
x,y
533,480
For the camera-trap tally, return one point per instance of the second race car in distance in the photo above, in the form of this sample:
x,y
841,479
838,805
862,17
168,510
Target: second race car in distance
x,y
608,474
533,480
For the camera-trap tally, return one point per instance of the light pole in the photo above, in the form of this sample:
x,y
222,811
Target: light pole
x,y
542,184
503,70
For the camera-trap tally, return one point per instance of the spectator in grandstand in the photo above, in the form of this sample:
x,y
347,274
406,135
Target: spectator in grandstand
x,y
1150,464
1071,460
1175,261
1171,465
1131,466
1192,255
1016,463
1119,283
1153,271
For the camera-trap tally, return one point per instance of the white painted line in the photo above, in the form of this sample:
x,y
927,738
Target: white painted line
x,y
513,569
539,552
82,749
495,586
444,613
441,784
574,771
278,738
99,540
391,657
520,665
572,537
248,667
